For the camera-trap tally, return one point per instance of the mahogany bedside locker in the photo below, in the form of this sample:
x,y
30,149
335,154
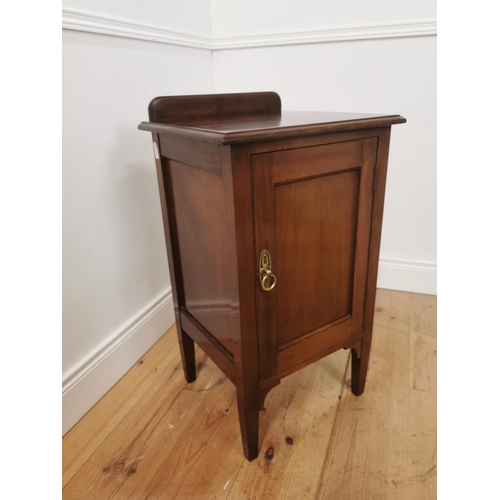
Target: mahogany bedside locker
x,y
272,222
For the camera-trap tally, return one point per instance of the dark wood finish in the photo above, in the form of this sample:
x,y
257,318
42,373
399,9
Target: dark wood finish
x,y
317,217
360,362
195,153
264,220
237,175
235,130
198,197
186,343
315,220
250,117
296,164
212,347
187,109
236,171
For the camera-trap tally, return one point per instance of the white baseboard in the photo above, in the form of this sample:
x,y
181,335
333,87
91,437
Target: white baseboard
x,y
407,275
87,381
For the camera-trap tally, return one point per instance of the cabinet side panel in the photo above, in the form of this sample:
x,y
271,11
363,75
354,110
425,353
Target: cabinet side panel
x,y
198,198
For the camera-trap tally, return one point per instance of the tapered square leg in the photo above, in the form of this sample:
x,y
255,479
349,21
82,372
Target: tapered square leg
x,y
186,344
249,424
359,363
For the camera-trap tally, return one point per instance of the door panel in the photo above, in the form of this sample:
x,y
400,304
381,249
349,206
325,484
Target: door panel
x,y
315,226
313,161
312,209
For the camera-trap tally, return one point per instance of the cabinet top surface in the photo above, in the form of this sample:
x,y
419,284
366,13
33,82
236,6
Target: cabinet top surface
x,y
240,118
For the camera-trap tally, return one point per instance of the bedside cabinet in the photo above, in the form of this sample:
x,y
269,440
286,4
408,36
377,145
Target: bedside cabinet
x,y
272,223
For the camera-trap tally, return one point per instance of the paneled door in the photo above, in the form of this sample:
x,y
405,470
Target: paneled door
x,y
312,211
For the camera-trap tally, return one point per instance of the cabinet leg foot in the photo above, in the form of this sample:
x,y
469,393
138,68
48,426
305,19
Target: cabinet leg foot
x,y
359,361
186,344
249,424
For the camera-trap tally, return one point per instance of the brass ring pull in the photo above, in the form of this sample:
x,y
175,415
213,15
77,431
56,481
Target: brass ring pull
x,y
267,278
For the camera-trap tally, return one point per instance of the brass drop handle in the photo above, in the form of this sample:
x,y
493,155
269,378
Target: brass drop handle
x,y
267,278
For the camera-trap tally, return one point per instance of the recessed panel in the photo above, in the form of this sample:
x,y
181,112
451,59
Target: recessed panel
x,y
315,224
198,199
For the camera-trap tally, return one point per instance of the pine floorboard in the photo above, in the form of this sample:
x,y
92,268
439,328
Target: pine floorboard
x,y
153,436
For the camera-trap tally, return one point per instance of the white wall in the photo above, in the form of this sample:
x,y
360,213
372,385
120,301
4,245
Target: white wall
x,y
237,19
187,16
384,74
116,287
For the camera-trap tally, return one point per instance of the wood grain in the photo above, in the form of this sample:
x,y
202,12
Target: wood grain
x,y
383,444
296,428
174,443
154,436
241,129
184,109
199,207
195,153
313,161
317,228
422,446
83,439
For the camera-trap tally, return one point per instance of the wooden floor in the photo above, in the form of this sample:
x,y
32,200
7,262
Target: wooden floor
x,y
153,436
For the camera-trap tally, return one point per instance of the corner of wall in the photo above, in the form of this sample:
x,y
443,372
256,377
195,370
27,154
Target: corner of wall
x,y
211,34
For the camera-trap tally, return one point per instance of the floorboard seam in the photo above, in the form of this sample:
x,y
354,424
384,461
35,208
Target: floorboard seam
x,y
330,438
124,416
